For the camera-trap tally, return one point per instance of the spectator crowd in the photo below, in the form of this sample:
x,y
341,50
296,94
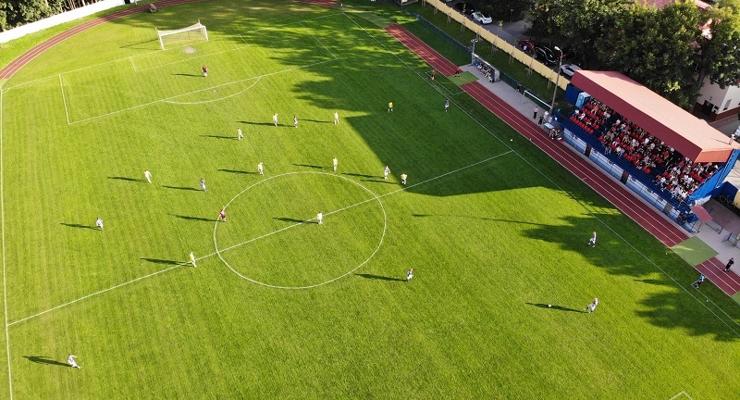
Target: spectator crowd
x,y
669,169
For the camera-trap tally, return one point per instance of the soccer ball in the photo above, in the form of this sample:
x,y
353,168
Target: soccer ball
x,y
549,306
511,140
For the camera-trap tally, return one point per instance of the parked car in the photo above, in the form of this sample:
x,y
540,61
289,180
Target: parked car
x,y
481,18
545,55
568,70
525,45
464,8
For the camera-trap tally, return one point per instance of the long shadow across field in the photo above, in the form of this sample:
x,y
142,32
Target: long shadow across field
x,y
46,360
556,307
79,226
425,142
381,277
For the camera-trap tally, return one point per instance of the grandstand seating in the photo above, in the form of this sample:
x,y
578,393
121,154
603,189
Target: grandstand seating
x,y
667,168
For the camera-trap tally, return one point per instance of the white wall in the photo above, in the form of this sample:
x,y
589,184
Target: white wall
x,y
58,19
719,97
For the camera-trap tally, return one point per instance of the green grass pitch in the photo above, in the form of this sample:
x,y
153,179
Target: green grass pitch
x,y
280,307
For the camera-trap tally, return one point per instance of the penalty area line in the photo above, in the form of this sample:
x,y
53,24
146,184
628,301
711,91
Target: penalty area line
x,y
64,99
183,264
166,99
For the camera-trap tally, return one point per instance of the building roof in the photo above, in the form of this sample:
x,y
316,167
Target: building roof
x,y
691,136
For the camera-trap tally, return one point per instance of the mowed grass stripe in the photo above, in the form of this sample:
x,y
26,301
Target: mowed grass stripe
x,y
485,242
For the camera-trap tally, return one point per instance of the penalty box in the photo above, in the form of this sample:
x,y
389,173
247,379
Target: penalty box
x,y
135,82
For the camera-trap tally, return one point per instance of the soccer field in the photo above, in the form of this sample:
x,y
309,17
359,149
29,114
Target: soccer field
x,y
280,306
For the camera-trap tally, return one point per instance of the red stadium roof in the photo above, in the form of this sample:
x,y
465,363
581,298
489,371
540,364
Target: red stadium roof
x,y
691,136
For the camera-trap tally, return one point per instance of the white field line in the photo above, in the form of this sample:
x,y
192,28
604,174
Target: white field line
x,y
319,42
190,58
187,103
64,98
547,177
120,285
329,281
681,393
99,292
133,65
2,238
26,83
374,198
164,100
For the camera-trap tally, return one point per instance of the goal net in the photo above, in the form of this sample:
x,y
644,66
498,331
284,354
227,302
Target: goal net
x,y
196,31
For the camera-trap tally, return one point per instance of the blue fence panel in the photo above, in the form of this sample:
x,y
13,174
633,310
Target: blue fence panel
x,y
714,183
571,94
634,173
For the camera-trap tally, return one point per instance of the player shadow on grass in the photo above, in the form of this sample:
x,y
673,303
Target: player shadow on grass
x,y
160,261
45,360
192,218
556,307
187,188
624,249
380,277
79,226
263,124
222,137
237,171
359,175
195,75
379,181
296,220
309,166
125,178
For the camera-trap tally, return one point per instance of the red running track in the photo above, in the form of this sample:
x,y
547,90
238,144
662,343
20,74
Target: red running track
x,y
715,271
643,214
15,65
431,56
617,194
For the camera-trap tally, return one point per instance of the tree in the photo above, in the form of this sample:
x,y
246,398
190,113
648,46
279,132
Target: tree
x,y
661,48
506,10
577,25
720,52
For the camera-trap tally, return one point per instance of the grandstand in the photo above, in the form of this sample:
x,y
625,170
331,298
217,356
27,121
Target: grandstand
x,y
666,155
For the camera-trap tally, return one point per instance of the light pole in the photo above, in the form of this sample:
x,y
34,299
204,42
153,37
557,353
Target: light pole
x,y
557,80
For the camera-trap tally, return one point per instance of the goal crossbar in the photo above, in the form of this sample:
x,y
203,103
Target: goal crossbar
x,y
169,32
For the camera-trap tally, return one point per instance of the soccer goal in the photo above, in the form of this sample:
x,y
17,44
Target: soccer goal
x,y
192,32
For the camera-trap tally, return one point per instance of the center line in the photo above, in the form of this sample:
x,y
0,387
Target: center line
x,y
183,264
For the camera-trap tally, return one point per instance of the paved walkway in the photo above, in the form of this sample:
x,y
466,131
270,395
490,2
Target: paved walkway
x,y
517,111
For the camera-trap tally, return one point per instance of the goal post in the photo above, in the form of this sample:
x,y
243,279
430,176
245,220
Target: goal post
x,y
197,27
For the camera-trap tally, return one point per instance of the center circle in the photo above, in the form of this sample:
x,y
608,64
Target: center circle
x,y
271,237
